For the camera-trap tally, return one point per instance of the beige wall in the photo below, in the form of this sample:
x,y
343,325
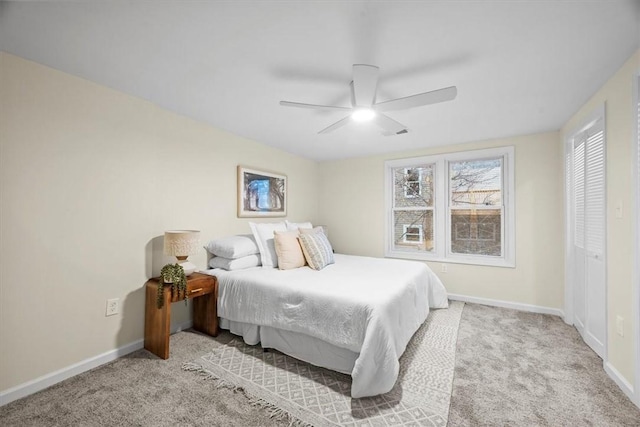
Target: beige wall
x,y
84,171
616,94
352,205
89,180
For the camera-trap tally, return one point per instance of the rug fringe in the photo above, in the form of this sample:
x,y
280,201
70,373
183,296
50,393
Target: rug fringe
x,y
274,411
207,375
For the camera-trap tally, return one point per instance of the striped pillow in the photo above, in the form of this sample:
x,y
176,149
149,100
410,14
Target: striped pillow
x,y
317,250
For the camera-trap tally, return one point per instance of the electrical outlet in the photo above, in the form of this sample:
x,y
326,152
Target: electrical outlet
x,y
113,306
620,325
443,268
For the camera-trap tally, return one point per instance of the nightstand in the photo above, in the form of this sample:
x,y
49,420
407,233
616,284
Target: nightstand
x,y
202,289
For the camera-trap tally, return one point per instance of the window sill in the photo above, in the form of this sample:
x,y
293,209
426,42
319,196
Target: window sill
x,y
499,262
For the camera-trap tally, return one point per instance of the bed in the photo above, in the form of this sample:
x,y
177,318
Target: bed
x,y
355,316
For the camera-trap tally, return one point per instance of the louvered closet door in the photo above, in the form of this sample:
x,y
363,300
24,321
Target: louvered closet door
x,y
590,237
579,258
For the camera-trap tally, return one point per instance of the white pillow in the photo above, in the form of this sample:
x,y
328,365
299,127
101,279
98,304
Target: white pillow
x,y
235,264
293,226
233,247
263,233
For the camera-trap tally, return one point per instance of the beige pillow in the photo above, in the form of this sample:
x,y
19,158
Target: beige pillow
x,y
288,249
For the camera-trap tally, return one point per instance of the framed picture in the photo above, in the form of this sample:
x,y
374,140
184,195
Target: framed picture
x,y
261,194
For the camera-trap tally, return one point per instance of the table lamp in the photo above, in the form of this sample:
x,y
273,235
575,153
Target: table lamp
x,y
181,244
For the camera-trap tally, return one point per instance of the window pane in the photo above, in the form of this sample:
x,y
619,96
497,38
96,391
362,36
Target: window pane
x,y
476,232
413,187
413,230
476,183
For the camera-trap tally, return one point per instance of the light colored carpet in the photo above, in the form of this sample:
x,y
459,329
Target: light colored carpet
x,y
524,369
140,389
319,397
497,382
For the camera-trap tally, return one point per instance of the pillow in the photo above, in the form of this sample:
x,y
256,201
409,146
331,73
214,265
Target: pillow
x,y
292,226
288,249
314,230
235,264
317,250
263,233
233,247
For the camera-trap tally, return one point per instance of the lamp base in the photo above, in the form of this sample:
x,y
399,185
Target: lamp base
x,y
188,267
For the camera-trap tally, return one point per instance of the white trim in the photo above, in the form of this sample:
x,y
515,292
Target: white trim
x,y
613,373
568,236
598,114
635,143
55,377
47,380
420,234
508,304
486,261
440,252
419,181
619,380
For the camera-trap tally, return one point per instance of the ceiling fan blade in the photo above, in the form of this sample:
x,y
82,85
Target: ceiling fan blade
x,y
352,95
313,106
433,97
389,126
336,125
365,84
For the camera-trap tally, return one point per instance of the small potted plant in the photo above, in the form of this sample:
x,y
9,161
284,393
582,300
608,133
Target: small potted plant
x,y
172,274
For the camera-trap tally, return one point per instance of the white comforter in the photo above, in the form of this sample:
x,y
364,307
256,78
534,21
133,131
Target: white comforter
x,y
370,306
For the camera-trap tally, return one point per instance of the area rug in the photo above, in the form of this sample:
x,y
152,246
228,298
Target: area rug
x,y
307,395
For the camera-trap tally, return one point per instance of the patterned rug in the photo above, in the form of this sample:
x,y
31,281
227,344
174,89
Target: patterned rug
x,y
311,396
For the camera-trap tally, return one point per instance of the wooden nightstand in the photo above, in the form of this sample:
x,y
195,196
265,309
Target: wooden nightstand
x,y
202,289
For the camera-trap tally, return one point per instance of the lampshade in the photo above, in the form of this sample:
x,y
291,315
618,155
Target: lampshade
x,y
181,244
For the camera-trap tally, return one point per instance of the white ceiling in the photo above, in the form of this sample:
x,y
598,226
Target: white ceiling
x,y
521,67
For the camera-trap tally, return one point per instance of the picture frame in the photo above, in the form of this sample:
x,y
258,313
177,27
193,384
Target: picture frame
x,y
261,193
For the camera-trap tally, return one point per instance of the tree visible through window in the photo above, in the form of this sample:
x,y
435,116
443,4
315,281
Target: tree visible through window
x,y
413,207
476,207
456,206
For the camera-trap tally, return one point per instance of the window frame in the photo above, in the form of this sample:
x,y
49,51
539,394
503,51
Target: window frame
x,y
636,272
405,233
442,208
419,182
411,246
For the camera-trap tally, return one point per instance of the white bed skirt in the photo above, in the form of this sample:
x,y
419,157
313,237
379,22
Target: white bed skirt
x,y
302,347
355,316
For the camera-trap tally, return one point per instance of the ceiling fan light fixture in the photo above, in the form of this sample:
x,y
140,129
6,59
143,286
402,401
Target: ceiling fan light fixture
x,y
363,114
364,107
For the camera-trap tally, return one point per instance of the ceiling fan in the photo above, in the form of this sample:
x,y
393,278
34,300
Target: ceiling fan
x,y
364,106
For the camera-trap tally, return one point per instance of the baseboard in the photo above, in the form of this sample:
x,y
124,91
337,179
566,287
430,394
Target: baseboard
x,y
40,383
620,381
48,380
508,304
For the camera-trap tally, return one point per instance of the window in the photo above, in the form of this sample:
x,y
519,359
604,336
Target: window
x,y
412,233
412,186
475,188
413,207
453,207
